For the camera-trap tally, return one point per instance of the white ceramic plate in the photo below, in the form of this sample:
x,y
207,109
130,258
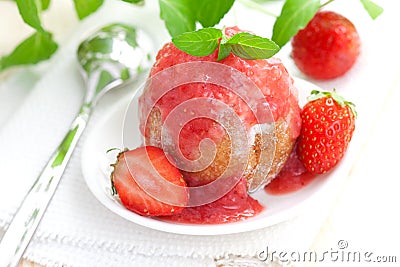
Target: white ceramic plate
x,y
107,134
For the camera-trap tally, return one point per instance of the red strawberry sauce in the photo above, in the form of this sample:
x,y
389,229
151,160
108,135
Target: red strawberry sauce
x,y
235,206
238,205
293,177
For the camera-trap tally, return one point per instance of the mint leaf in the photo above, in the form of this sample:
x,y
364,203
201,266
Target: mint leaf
x,y
86,7
249,46
210,12
224,49
373,9
177,15
30,13
198,43
39,46
295,15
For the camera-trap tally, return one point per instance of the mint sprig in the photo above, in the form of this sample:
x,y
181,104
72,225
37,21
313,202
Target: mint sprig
x,y
198,43
224,48
250,46
204,42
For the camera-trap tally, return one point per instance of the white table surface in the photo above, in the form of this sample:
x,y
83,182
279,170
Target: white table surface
x,y
364,212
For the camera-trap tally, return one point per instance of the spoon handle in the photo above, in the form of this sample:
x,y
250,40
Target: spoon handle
x,y
33,207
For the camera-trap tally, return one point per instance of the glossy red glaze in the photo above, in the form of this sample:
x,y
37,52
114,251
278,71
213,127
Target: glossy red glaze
x,y
235,206
293,177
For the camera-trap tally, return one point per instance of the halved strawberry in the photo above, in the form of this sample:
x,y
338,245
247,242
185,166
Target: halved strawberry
x,y
148,184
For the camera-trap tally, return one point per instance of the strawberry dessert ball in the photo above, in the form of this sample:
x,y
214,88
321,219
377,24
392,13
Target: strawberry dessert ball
x,y
223,139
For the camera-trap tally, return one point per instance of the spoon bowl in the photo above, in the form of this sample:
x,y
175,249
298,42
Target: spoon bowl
x,y
116,54
113,56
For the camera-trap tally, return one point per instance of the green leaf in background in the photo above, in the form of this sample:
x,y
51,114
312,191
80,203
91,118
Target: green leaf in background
x,y
295,15
30,13
44,5
198,43
86,7
39,46
373,9
210,12
136,2
177,16
265,1
249,46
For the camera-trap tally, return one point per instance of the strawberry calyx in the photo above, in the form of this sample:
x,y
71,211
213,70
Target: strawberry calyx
x,y
315,94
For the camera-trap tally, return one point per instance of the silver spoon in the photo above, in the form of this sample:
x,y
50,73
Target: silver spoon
x,y
111,57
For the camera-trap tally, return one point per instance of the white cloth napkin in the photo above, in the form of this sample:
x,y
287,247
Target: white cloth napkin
x,y
77,230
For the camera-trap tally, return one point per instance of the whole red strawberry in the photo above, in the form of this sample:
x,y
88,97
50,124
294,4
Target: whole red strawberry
x,y
328,123
148,184
327,47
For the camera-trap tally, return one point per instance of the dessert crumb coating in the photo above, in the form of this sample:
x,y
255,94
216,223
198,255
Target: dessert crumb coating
x,y
266,145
